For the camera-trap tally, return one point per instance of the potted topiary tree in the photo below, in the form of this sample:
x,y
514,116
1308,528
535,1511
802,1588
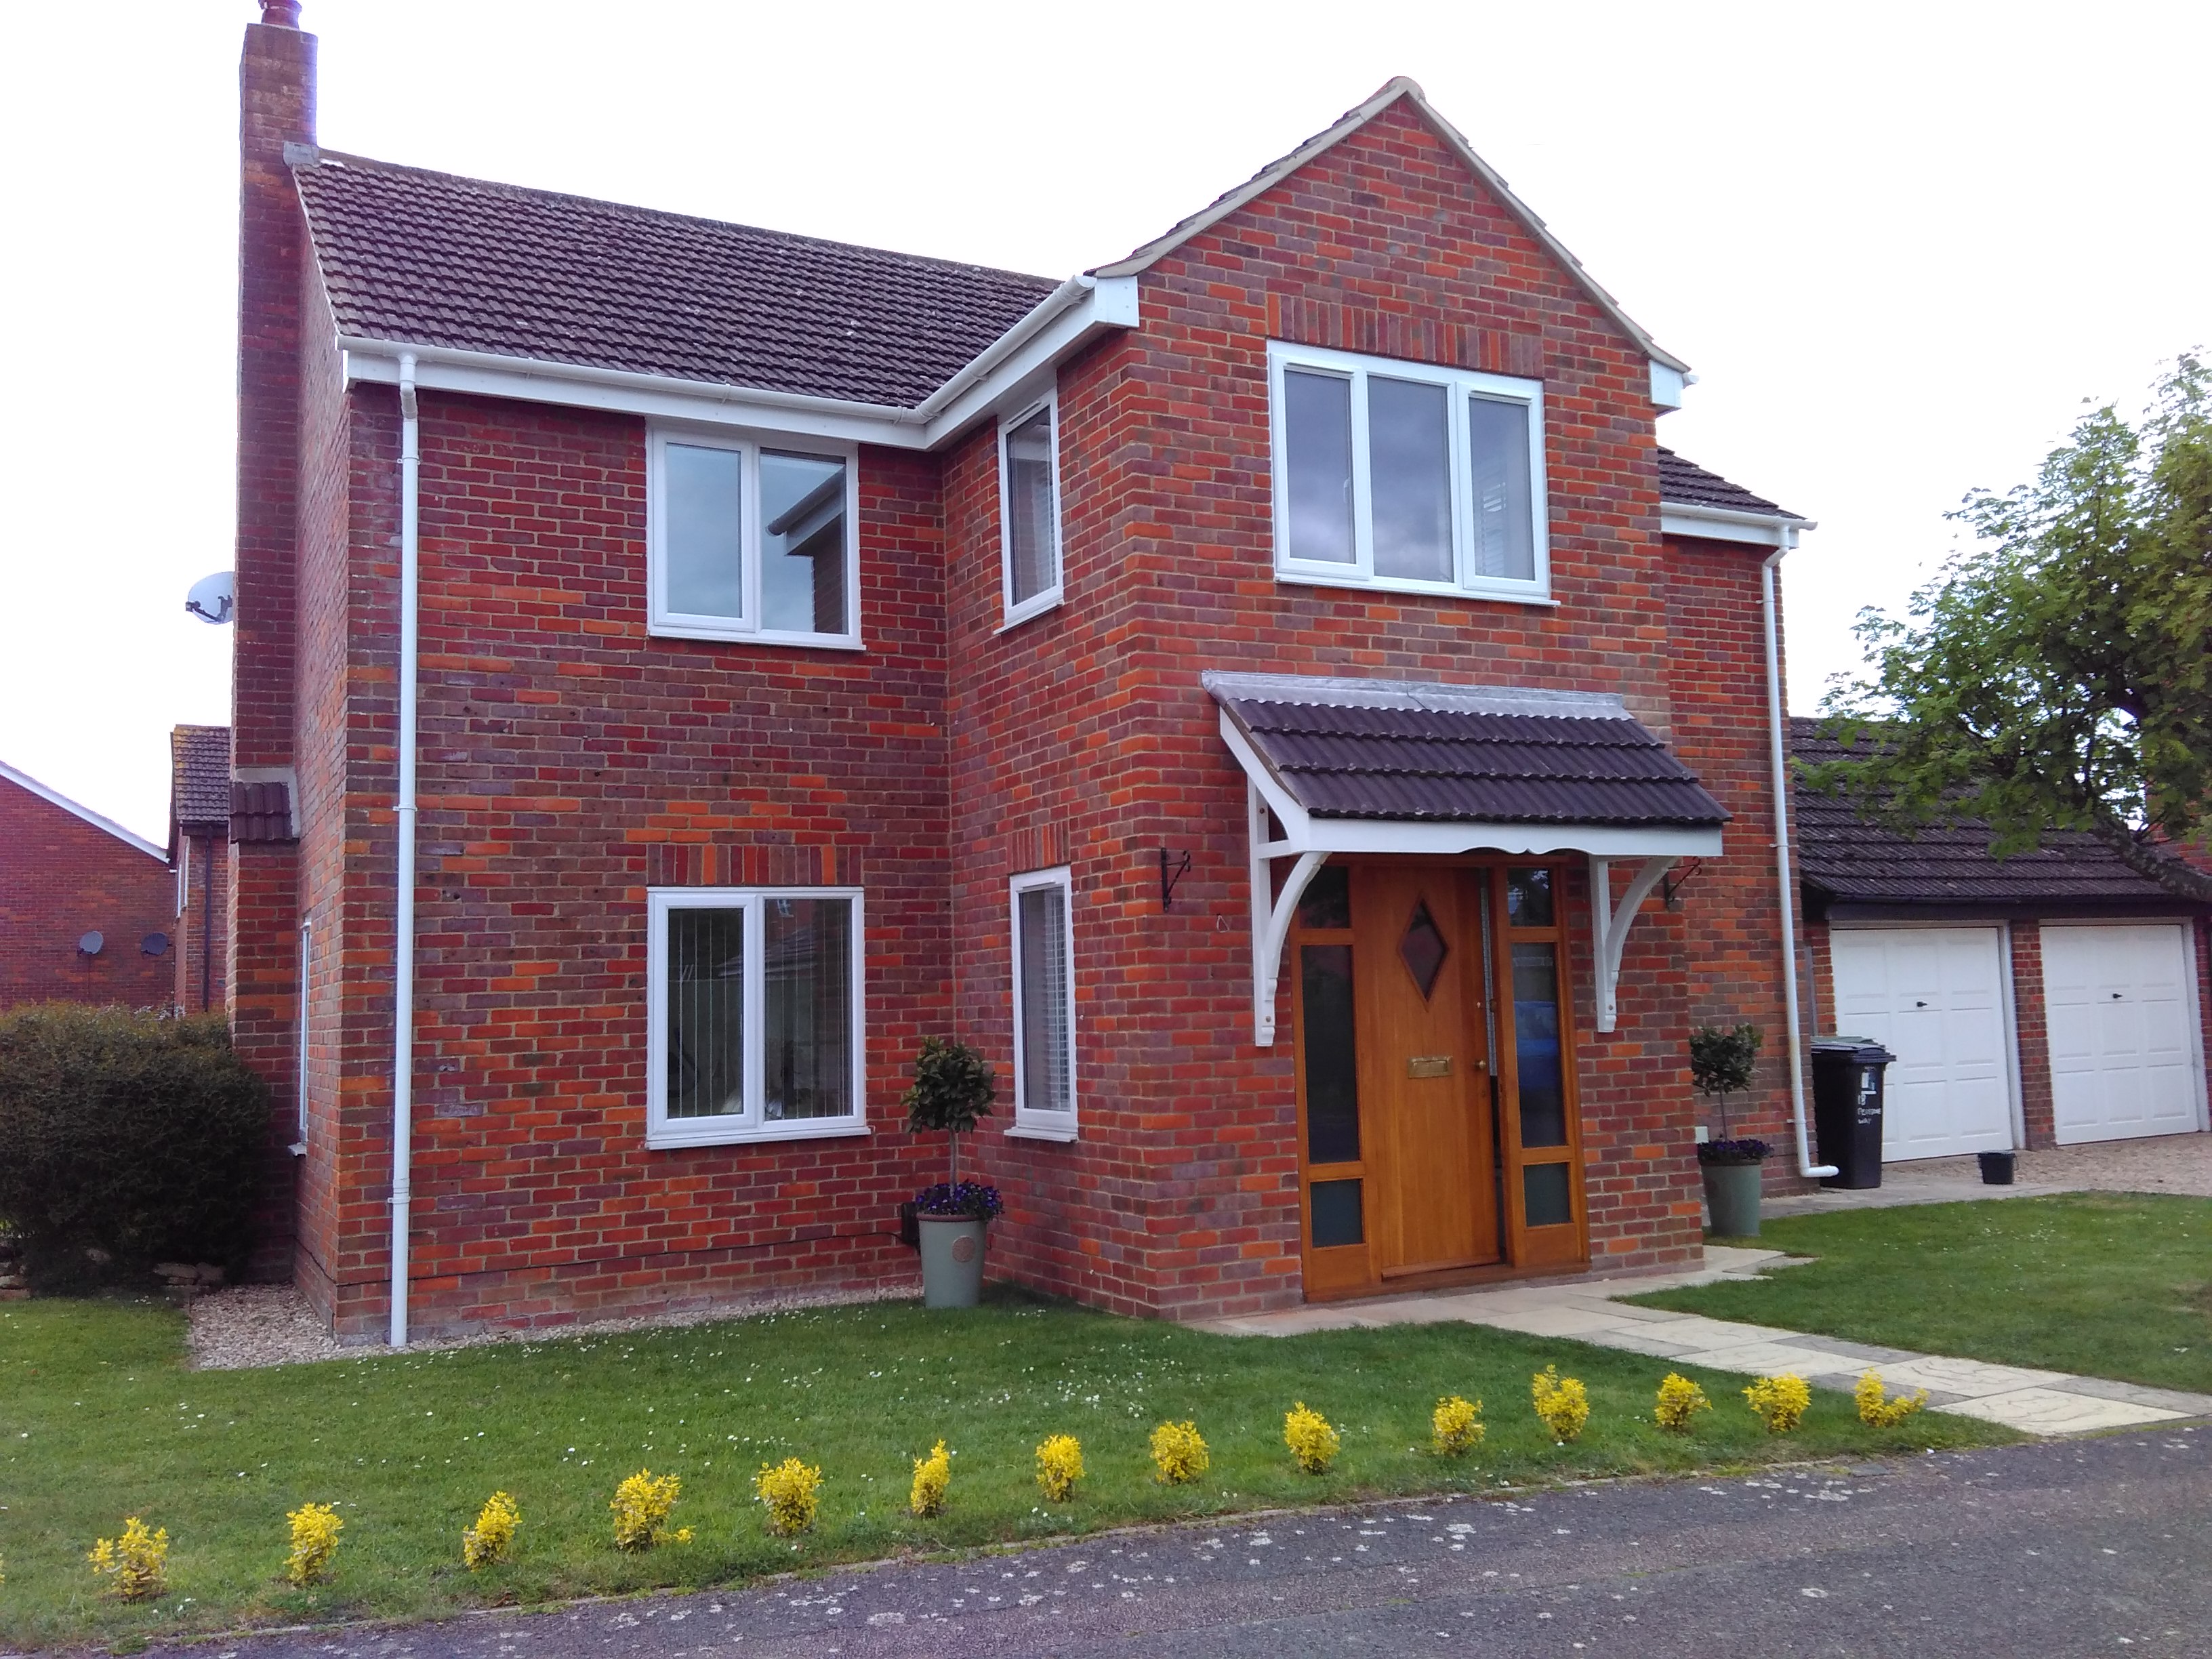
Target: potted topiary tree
x,y
1720,1064
953,1089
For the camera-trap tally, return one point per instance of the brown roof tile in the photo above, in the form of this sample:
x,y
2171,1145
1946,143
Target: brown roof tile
x,y
199,776
429,258
1685,483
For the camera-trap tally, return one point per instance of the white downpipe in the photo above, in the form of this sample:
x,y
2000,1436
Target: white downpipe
x,y
403,958
1777,739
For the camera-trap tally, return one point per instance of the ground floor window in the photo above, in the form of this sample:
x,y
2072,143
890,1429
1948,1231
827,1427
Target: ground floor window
x,y
1044,1005
753,1011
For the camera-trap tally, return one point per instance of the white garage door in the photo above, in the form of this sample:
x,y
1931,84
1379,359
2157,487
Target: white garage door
x,y
1934,998
2122,1057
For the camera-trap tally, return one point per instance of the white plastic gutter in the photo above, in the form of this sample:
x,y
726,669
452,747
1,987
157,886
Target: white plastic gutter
x,y
402,960
1777,737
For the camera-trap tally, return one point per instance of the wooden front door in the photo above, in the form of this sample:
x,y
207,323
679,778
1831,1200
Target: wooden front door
x,y
1436,1090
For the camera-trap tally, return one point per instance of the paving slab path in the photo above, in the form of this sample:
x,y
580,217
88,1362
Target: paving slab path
x,y
2048,1550
2037,1402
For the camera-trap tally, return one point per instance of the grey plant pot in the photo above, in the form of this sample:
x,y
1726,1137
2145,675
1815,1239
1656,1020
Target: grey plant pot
x,y
1732,1195
952,1259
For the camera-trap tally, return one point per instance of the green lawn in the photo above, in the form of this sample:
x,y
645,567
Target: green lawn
x,y
98,1419
2116,1284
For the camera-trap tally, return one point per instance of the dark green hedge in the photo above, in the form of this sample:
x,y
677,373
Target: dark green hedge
x,y
137,1138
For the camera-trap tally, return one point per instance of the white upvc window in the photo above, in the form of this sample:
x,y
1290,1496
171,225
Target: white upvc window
x,y
1028,510
1043,929
753,1014
752,539
1406,476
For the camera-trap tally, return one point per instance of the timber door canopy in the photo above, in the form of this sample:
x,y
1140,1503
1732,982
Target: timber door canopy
x,y
1413,767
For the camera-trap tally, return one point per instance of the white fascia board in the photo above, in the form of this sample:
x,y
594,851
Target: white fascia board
x,y
1668,383
1064,323
1720,523
55,798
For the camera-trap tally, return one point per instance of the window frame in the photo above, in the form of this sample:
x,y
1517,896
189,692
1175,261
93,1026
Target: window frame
x,y
1013,612
666,624
663,1133
1032,1122
1460,385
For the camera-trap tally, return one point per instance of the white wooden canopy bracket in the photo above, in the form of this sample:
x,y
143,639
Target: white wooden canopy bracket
x,y
1271,922
1609,924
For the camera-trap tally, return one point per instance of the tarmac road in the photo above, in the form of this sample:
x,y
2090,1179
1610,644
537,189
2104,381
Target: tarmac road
x,y
2100,1547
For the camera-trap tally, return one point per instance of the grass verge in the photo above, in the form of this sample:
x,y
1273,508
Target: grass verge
x,y
2114,1285
98,1420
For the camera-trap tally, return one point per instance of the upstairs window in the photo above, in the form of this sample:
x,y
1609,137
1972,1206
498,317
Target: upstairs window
x,y
1028,511
1406,475
752,541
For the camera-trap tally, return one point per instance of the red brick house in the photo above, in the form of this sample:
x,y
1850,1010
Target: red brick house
x,y
2047,998
199,852
86,907
1248,689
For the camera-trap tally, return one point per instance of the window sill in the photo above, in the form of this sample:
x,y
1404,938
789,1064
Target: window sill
x,y
819,1129
1062,1133
670,630
1030,608
1420,590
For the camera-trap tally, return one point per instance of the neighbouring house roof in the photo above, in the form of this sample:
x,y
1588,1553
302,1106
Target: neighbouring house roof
x,y
1411,750
1683,483
1397,88
1848,857
54,797
431,259
199,778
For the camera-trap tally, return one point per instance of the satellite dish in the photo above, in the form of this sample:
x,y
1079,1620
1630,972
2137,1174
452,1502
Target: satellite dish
x,y
91,944
154,944
211,599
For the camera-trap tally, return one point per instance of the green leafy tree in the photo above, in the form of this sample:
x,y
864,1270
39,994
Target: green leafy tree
x,y
953,1089
2058,676
1721,1063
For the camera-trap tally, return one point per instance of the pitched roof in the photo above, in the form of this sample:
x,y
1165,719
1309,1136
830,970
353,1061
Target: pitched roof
x,y
429,258
1685,484
199,774
24,781
1398,87
1411,749
1845,856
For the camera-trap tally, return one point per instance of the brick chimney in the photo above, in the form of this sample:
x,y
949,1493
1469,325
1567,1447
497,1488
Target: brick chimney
x,y
276,108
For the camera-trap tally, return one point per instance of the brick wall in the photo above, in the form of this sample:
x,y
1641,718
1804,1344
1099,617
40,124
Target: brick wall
x,y
200,982
2032,1024
62,878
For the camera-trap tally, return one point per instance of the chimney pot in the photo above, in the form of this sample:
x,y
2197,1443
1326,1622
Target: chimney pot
x,y
281,14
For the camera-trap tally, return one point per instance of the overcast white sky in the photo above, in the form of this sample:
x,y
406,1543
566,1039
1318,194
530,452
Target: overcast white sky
x,y
1900,246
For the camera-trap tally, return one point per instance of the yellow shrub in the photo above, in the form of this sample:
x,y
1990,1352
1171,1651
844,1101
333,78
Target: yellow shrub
x,y
641,1506
1877,1410
1179,1453
1059,1466
789,1490
315,1529
493,1535
1680,1399
1780,1400
932,1475
137,1562
1455,1426
1562,1402
1310,1437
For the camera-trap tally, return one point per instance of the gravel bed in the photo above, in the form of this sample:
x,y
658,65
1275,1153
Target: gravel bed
x,y
2157,1164
251,1324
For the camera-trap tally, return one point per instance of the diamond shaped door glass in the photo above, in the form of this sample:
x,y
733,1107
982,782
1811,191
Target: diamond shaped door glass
x,y
1423,949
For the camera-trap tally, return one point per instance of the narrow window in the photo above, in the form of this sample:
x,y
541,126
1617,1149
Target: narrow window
x,y
745,542
1498,456
1317,432
1044,1005
1409,464
1029,471
753,1015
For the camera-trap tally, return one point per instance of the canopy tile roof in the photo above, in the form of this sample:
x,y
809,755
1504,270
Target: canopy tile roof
x,y
1414,750
199,775
429,258
1685,484
1843,854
